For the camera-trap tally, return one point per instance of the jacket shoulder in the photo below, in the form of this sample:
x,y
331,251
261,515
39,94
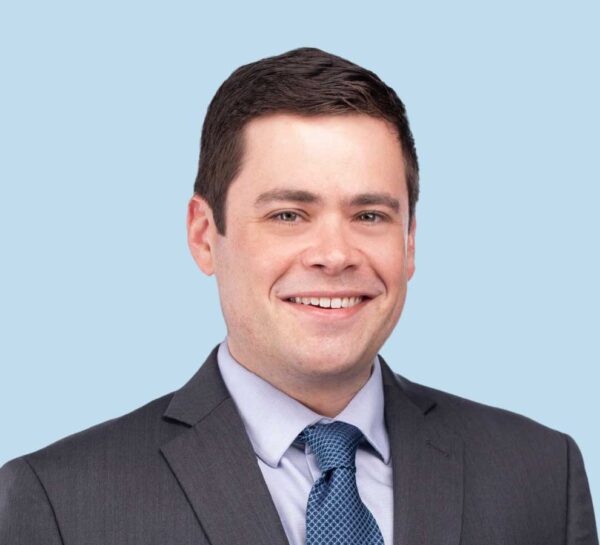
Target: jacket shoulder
x,y
129,437
478,421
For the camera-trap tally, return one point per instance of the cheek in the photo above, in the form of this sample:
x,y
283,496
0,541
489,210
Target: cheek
x,y
389,263
268,257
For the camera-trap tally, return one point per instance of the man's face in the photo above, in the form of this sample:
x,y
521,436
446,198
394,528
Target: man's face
x,y
313,269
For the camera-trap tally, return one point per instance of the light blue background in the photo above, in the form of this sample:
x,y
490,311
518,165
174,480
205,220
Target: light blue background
x,y
102,309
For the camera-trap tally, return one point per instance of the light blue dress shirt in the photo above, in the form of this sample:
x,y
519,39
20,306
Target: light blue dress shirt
x,y
273,420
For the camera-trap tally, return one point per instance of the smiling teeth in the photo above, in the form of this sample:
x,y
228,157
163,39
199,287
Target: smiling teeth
x,y
327,302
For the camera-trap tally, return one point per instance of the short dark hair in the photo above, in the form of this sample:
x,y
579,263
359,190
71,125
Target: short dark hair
x,y
304,81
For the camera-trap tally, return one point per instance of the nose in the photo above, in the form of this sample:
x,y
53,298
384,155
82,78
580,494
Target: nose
x,y
332,249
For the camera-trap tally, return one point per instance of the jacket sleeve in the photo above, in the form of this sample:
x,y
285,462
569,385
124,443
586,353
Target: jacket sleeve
x,y
26,515
581,524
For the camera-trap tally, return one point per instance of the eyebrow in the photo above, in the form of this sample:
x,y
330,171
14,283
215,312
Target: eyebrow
x,y
294,195
298,195
381,199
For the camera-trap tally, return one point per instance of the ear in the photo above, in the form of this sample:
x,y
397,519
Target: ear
x,y
201,233
410,247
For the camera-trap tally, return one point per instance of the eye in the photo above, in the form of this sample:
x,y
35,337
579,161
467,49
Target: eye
x,y
286,216
371,217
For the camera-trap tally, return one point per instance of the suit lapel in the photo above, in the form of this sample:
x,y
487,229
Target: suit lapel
x,y
216,467
427,461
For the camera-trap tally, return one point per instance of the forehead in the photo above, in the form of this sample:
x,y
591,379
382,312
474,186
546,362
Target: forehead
x,y
349,153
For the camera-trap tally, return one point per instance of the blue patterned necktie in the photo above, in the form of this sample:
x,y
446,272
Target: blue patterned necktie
x,y
335,514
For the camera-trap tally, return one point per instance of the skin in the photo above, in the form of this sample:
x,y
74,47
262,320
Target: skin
x,y
298,223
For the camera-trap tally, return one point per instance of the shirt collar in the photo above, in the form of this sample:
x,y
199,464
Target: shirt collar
x,y
273,419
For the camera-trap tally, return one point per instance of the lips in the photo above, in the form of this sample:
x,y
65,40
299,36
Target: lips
x,y
328,302
329,309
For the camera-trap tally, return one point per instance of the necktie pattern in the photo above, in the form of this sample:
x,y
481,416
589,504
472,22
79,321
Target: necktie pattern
x,y
335,514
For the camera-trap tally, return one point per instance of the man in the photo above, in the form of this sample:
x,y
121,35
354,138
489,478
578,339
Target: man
x,y
294,430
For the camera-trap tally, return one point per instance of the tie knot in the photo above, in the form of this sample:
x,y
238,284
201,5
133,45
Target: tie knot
x,y
334,445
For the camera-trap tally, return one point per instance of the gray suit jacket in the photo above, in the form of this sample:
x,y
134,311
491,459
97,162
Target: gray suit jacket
x,y
181,471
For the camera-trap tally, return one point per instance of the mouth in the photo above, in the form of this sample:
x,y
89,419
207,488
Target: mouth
x,y
328,302
323,309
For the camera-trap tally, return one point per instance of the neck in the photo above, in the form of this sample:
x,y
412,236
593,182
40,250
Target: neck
x,y
327,402
327,395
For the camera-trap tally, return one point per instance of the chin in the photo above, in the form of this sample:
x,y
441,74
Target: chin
x,y
331,362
